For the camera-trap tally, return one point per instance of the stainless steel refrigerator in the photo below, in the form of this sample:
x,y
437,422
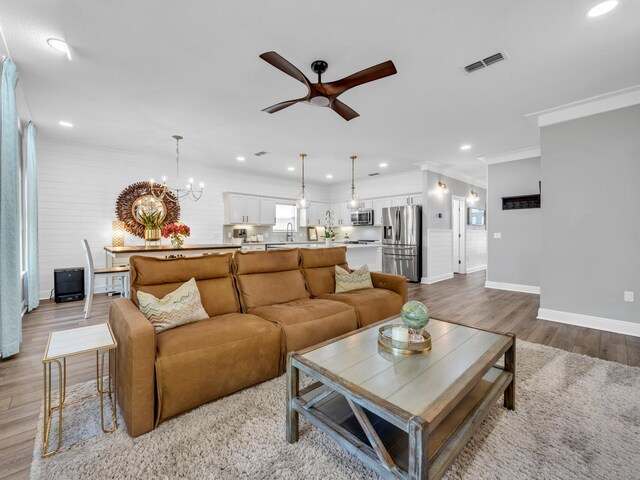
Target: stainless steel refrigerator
x,y
402,241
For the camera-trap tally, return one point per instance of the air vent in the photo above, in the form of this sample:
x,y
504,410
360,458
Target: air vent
x,y
374,174
486,62
493,59
474,66
260,153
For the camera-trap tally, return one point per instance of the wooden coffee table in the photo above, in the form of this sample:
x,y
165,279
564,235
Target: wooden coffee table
x,y
405,416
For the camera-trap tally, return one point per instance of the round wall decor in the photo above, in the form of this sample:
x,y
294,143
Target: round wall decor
x,y
137,198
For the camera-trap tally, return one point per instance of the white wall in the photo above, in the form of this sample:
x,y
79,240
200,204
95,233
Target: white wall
x,y
514,258
590,228
79,185
476,243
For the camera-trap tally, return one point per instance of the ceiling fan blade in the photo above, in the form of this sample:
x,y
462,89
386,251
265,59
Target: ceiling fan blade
x,y
344,110
279,106
364,76
284,65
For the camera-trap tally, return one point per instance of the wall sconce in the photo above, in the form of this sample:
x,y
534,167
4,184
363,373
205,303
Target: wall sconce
x,y
473,197
443,187
117,233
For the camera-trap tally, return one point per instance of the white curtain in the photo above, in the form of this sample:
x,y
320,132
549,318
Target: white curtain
x,y
31,204
10,285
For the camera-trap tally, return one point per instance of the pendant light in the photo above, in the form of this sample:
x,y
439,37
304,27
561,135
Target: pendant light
x,y
352,203
303,201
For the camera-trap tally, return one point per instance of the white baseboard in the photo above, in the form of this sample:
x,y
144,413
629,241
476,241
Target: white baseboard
x,y
476,269
599,323
514,287
436,278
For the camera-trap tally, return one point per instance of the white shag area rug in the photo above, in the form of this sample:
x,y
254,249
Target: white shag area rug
x,y
576,417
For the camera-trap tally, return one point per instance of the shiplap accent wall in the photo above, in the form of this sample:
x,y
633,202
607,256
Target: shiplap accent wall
x,y
439,253
476,250
78,187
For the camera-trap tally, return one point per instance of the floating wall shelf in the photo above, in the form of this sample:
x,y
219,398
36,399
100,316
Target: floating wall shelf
x,y
521,201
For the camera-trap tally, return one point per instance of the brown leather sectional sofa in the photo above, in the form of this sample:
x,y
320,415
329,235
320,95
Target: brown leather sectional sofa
x,y
262,305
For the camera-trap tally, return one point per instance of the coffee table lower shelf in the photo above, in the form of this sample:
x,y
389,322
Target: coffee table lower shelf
x,y
333,413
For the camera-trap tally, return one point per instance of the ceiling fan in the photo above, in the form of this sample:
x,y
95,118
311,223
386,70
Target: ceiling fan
x,y
326,94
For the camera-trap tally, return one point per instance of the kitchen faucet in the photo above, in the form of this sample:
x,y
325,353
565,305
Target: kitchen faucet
x,y
289,233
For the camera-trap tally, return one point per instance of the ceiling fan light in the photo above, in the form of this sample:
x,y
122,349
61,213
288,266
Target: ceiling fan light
x,y
319,101
61,46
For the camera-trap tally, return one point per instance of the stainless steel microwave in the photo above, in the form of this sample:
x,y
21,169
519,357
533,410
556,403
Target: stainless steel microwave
x,y
362,217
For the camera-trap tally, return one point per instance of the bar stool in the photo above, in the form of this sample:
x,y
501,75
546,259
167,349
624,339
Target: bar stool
x,y
108,273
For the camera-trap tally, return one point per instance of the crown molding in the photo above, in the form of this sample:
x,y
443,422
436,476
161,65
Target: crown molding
x,y
512,155
588,106
453,173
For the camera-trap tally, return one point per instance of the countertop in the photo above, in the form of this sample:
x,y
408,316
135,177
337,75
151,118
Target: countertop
x,y
319,244
165,248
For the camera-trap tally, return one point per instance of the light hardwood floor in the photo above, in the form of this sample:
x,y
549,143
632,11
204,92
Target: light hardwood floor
x,y
463,299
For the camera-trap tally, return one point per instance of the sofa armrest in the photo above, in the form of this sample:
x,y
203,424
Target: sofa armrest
x,y
388,281
136,354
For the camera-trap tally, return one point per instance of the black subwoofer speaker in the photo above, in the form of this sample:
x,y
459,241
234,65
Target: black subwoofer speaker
x,y
68,284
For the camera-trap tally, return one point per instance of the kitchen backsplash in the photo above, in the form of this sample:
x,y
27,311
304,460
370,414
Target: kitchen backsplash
x,y
354,233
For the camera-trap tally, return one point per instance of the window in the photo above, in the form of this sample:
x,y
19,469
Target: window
x,y
285,213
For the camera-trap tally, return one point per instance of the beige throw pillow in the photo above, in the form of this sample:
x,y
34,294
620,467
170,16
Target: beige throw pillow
x,y
357,280
179,307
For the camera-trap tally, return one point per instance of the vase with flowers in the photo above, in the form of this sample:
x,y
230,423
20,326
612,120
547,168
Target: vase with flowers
x,y
329,232
177,232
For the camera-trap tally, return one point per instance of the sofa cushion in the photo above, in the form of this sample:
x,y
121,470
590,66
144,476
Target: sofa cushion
x,y
179,307
268,278
310,321
202,361
212,273
370,304
347,281
318,267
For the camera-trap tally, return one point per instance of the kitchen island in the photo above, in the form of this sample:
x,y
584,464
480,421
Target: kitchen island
x,y
119,256
358,254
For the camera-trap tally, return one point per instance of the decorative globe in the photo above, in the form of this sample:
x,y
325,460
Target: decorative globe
x,y
415,315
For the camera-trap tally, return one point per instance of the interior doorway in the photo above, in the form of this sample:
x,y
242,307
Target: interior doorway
x,y
458,223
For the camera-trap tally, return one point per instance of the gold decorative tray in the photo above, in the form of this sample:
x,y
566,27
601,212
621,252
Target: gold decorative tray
x,y
385,339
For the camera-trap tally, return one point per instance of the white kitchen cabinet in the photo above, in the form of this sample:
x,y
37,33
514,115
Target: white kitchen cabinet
x,y
252,210
399,201
341,214
241,209
415,199
267,211
233,209
252,248
378,205
406,200
320,214
314,215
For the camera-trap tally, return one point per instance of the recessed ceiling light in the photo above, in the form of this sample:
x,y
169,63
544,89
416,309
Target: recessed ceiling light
x,y
465,147
482,159
240,159
62,123
329,175
383,165
602,8
291,169
60,45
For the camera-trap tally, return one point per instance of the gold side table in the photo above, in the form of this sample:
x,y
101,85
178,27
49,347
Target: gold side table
x,y
68,343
